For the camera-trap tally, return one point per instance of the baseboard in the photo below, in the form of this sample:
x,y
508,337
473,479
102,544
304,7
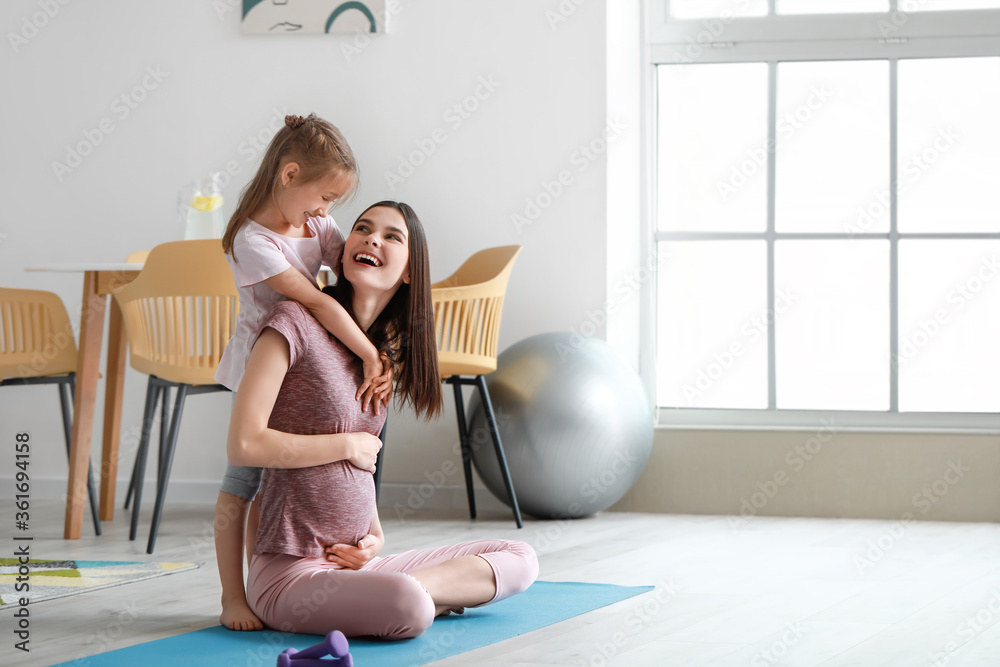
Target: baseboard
x,y
179,491
398,500
402,500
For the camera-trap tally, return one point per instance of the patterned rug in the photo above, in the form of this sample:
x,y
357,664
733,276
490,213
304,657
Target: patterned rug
x,y
51,579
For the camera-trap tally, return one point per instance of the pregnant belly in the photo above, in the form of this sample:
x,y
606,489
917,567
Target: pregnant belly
x,y
320,506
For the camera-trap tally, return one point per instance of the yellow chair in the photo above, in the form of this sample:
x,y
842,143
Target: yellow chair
x,y
467,307
179,315
37,346
139,257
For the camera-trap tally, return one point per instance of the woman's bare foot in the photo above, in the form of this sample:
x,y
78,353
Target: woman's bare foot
x,y
237,615
442,610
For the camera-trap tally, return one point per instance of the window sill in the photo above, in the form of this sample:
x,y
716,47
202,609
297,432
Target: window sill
x,y
827,421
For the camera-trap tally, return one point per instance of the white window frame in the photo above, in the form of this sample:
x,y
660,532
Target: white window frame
x,y
891,35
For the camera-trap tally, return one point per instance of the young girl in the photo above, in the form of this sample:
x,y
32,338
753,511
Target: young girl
x,y
315,566
275,242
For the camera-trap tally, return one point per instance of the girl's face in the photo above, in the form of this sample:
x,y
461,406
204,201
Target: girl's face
x,y
377,251
300,201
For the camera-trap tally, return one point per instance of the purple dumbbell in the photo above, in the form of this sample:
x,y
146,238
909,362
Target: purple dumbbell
x,y
345,661
334,645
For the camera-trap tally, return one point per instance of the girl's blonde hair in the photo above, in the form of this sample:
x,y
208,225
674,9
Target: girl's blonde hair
x,y
311,142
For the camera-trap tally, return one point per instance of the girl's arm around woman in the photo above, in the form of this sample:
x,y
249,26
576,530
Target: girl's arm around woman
x,y
252,443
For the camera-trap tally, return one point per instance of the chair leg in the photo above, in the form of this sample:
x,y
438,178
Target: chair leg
x,y
152,394
66,391
379,459
168,460
491,420
131,482
463,438
164,424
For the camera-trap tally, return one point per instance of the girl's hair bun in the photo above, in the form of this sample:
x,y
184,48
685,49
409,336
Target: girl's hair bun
x,y
294,122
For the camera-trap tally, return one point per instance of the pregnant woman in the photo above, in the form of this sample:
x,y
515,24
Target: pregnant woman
x,y
315,565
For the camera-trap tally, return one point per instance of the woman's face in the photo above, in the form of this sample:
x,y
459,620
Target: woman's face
x,y
377,251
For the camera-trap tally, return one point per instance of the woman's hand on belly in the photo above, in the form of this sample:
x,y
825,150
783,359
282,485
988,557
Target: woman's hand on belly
x,y
354,557
364,450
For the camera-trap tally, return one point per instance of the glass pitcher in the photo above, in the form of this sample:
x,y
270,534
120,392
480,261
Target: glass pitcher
x,y
200,206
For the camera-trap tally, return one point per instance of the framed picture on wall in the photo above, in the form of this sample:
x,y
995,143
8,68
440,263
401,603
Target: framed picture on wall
x,y
311,17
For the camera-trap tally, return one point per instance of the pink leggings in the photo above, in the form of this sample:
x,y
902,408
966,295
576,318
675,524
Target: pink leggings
x,y
312,596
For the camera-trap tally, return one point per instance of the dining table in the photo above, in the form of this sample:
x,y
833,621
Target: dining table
x,y
99,281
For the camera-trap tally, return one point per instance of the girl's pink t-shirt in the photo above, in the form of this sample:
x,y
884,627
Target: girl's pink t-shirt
x,y
261,254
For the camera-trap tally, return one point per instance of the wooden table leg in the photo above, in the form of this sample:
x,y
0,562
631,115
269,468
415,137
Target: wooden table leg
x,y
112,410
87,370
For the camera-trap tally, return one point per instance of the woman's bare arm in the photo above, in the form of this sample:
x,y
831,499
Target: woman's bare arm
x,y
252,443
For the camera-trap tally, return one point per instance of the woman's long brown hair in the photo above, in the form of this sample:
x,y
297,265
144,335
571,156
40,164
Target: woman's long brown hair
x,y
314,144
404,330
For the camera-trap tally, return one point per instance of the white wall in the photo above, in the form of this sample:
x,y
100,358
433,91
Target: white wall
x,y
216,89
560,82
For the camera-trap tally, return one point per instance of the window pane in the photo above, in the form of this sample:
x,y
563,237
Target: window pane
x,y
949,326
712,325
830,6
832,339
703,9
949,140
712,147
945,5
832,161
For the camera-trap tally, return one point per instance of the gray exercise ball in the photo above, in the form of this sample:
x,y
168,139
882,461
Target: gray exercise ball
x,y
575,422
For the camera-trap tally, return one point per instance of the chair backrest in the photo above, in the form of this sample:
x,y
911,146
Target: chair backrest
x,y
36,337
180,311
467,308
137,257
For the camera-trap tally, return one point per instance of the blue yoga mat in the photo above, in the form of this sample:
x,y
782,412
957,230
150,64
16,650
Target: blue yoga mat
x,y
544,603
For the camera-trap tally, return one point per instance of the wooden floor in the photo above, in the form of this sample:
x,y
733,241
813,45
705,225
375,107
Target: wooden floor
x,y
766,592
